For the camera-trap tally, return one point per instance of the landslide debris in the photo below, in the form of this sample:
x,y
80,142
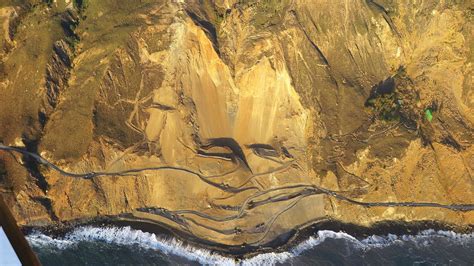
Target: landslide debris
x,y
237,121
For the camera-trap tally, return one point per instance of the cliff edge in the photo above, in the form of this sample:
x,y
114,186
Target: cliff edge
x,y
237,121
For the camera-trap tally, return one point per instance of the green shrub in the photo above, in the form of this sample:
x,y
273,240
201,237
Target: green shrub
x,y
386,107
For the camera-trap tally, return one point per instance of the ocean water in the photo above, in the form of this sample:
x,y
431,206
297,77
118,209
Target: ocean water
x,y
88,245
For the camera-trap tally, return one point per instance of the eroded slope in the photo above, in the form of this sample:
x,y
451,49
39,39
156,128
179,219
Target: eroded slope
x,y
238,121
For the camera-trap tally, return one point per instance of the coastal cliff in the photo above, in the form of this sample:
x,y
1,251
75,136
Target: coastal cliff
x,y
237,121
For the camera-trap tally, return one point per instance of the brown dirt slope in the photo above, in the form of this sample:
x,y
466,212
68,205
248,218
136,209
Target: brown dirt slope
x,y
267,115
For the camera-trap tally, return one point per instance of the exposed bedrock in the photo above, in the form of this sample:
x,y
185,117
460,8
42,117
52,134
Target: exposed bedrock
x,y
237,121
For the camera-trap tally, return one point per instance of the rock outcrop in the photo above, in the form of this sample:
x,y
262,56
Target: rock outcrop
x,y
267,115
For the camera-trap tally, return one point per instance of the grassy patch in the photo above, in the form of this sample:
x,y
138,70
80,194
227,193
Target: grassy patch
x,y
214,14
266,12
269,12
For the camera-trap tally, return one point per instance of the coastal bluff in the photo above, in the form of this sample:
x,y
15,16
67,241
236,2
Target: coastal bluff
x,y
237,122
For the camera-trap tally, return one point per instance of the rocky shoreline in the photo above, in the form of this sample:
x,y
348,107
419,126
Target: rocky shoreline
x,y
282,243
231,123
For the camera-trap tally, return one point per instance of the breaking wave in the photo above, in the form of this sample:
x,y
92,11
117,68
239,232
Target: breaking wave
x,y
172,246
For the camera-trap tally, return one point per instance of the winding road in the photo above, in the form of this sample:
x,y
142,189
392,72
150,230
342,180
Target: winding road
x,y
290,193
225,187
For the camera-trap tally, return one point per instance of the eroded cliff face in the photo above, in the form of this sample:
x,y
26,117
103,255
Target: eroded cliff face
x,y
256,108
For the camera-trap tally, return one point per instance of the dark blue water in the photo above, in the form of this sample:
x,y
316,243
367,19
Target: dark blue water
x,y
123,245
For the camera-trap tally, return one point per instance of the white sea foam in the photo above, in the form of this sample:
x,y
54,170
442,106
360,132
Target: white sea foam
x,y
128,236
41,240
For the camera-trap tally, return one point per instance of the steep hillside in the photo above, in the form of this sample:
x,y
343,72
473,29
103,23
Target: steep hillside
x,y
237,121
